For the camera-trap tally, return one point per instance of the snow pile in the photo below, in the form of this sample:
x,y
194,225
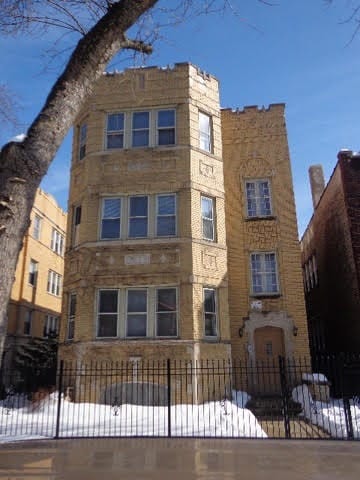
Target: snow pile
x,y
18,138
213,419
314,378
330,416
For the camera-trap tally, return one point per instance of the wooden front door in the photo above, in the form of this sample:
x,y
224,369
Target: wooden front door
x,y
269,345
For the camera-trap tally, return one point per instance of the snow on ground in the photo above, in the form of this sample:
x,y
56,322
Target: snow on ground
x,y
213,419
330,416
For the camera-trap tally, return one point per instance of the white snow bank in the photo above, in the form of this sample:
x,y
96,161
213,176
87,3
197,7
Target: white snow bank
x,y
18,138
314,378
330,416
213,419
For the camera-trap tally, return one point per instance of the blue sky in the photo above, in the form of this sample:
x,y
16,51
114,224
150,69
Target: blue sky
x,y
296,51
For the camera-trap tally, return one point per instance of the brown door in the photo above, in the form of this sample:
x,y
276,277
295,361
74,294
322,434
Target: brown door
x,y
269,345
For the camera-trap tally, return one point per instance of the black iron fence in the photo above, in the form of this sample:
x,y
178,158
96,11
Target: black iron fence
x,y
281,398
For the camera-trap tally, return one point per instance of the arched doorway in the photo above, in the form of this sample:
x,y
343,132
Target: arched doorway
x,y
269,345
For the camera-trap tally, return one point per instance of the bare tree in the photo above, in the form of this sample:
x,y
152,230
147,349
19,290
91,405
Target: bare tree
x,y
8,106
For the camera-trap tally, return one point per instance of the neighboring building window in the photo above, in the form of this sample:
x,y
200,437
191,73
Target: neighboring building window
x,y
107,313
264,273
76,224
57,242
28,322
166,314
166,215
36,227
210,312
207,214
71,316
54,283
311,278
140,129
138,217
33,268
258,198
82,141
136,320
166,127
110,221
205,127
51,326
115,130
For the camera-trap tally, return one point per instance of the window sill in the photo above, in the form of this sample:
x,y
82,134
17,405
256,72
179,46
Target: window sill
x,y
265,295
123,339
259,218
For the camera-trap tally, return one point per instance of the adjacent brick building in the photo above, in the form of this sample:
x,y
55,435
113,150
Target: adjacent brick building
x,y
331,258
35,302
182,228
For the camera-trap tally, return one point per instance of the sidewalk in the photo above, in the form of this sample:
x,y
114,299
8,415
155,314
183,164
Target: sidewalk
x,y
179,459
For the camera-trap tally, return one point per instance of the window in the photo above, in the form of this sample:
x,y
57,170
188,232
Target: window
x,y
166,127
36,227
33,267
310,273
210,312
136,321
54,283
71,316
107,313
264,273
28,322
138,217
258,198
207,213
82,141
166,215
205,141
115,130
76,223
51,326
140,129
145,312
166,314
110,223
57,242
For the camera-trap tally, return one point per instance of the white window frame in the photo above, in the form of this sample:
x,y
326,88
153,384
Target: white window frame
x,y
206,138
263,273
57,242
33,271
70,330
160,312
54,283
98,313
215,313
36,231
258,197
28,320
51,326
104,199
142,129
138,216
212,220
157,215
127,132
137,313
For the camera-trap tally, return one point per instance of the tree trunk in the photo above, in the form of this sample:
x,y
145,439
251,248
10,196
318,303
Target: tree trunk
x,y
23,165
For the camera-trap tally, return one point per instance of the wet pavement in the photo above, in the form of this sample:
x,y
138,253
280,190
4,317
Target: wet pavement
x,y
175,459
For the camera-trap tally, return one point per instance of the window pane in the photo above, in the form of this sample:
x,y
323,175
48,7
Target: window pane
x,y
72,308
204,123
140,120
140,138
208,229
71,330
166,204
107,326
111,208
138,206
115,141
110,229
166,325
166,226
166,118
210,325
138,227
207,207
166,299
115,122
209,300
137,301
108,302
167,137
136,325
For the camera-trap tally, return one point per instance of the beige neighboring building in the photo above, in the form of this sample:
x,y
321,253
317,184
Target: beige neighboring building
x,y
35,302
165,259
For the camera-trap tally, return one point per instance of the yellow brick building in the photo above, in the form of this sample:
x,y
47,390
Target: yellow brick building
x,y
35,302
159,249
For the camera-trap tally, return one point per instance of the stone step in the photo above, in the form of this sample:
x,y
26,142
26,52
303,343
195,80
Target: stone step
x,y
272,406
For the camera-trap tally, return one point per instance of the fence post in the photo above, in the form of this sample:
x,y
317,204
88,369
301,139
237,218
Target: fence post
x,y
169,396
348,420
60,385
284,393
